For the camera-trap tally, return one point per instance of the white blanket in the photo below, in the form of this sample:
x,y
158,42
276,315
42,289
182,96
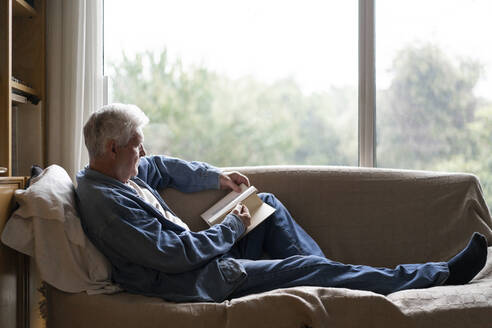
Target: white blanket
x,y
46,226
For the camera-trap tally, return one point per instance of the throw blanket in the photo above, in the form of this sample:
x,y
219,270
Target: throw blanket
x,y
46,226
446,306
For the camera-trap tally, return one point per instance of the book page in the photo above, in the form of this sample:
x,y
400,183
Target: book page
x,y
258,210
219,210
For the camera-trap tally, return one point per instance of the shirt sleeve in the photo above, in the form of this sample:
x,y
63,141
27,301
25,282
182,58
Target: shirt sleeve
x,y
143,240
161,172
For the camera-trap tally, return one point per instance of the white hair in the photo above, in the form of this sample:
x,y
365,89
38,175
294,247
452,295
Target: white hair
x,y
114,121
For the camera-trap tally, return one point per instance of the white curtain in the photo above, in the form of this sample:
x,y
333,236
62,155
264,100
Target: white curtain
x,y
74,77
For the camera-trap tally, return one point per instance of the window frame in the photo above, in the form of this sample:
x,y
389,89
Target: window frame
x,y
367,85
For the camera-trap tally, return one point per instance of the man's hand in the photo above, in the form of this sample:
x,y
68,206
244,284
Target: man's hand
x,y
242,213
232,180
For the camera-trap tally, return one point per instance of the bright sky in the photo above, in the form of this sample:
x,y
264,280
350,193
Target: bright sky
x,y
314,41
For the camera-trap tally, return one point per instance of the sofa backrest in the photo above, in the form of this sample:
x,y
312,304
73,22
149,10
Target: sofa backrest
x,y
378,217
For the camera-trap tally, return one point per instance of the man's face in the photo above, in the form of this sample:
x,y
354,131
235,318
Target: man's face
x,y
128,157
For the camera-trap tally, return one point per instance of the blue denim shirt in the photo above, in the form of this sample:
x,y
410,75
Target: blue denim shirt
x,y
149,254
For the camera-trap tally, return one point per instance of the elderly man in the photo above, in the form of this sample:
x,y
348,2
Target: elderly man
x,y
153,252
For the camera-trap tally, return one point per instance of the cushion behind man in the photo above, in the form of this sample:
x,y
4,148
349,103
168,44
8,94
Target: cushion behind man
x,y
47,227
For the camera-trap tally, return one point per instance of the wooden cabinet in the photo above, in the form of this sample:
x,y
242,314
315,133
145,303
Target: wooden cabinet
x,y
22,85
14,267
19,279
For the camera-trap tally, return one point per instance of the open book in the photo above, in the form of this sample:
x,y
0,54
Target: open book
x,y
258,210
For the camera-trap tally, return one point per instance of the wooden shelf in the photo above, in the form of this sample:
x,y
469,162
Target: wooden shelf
x,y
21,8
23,88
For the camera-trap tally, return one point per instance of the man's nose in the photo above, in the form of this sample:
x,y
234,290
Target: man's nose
x,y
142,151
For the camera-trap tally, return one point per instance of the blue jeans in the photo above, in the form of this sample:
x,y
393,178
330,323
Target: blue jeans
x,y
298,261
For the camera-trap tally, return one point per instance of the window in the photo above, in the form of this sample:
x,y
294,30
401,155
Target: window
x,y
239,82
434,82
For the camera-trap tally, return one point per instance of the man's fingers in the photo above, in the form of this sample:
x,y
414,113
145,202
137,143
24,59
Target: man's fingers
x,y
237,209
244,209
232,180
229,183
233,185
243,213
239,178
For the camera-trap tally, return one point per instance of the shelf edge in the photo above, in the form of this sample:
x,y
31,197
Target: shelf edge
x,y
23,88
21,8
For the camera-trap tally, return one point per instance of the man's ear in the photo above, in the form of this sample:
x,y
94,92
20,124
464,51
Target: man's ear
x,y
111,148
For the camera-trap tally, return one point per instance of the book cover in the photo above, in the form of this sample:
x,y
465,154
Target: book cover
x,y
258,210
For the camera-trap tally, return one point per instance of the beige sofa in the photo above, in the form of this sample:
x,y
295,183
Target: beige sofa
x,y
362,216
